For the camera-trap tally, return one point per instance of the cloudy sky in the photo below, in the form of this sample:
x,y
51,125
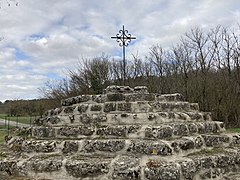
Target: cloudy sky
x,y
41,39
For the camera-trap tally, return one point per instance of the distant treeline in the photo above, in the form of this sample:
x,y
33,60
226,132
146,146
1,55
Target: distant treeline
x,y
35,107
203,66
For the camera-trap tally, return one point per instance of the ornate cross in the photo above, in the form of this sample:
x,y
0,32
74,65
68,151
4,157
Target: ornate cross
x,y
123,38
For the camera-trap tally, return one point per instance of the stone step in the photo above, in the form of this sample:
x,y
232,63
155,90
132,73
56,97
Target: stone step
x,y
202,165
123,118
144,131
135,146
127,107
128,97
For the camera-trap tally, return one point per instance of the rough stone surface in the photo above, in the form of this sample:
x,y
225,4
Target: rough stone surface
x,y
126,167
103,145
124,133
149,147
44,163
158,170
87,167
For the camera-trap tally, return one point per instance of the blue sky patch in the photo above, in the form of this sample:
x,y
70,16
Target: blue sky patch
x,y
53,76
20,55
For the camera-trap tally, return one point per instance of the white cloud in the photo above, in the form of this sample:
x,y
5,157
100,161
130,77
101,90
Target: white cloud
x,y
47,37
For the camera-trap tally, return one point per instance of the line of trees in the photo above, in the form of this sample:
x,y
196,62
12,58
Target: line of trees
x,y
35,107
203,66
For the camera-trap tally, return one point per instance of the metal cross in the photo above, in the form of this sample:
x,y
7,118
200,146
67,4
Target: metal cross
x,y
123,38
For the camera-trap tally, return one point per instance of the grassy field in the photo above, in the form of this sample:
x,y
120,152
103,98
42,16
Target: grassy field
x,y
20,119
237,130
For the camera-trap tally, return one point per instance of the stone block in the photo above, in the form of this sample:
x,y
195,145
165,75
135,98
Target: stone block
x,y
118,131
170,97
86,130
44,163
118,89
108,107
215,140
195,116
158,132
235,139
133,129
140,89
163,114
183,144
96,107
44,132
124,106
92,167
180,129
100,117
149,147
188,169
69,109
198,142
211,127
82,108
39,146
115,97
70,147
203,162
224,160
83,98
194,106
193,128
160,170
207,116
103,145
126,167
10,167
68,131
99,98
139,97
86,118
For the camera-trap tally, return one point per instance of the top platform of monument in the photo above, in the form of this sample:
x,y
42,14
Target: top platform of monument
x,y
122,93
125,89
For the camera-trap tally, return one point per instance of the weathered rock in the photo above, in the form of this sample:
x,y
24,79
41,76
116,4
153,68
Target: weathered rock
x,y
68,131
96,107
118,89
82,108
69,109
44,163
188,169
115,97
44,132
160,170
39,146
124,133
103,145
119,131
81,167
215,140
108,107
159,132
70,146
149,148
126,167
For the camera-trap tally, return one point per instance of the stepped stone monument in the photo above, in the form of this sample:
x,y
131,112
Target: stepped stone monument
x,y
124,133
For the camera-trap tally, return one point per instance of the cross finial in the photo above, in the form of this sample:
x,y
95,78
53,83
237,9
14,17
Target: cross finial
x,y
123,38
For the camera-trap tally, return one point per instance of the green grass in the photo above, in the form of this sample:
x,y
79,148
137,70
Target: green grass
x,y
20,119
237,130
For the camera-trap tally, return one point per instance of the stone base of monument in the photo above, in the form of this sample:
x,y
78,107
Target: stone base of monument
x,y
125,133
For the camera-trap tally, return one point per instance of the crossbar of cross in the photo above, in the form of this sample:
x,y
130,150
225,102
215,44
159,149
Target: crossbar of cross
x,y
123,38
